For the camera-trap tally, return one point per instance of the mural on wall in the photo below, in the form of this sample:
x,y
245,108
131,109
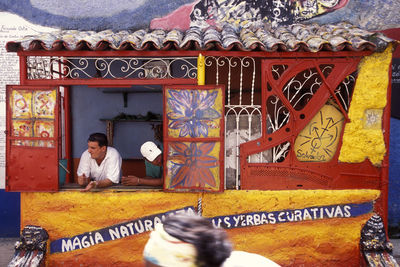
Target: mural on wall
x,y
92,15
181,14
246,13
332,218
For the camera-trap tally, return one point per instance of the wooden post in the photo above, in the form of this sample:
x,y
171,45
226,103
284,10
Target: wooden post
x,y
200,70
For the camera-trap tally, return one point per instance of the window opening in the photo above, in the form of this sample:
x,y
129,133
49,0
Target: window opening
x,y
243,107
127,127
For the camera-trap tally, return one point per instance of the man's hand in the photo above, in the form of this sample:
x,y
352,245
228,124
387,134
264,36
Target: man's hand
x,y
83,180
130,180
91,185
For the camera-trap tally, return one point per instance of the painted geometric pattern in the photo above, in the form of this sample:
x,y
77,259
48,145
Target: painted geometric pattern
x,y
193,165
32,115
44,104
21,104
318,141
194,113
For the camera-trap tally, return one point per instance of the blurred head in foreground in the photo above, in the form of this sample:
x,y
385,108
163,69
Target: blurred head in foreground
x,y
187,240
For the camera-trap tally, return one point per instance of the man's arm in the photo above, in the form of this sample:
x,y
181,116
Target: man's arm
x,y
83,170
98,184
83,180
134,180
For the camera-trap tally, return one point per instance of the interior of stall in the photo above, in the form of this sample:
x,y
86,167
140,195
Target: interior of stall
x,y
128,116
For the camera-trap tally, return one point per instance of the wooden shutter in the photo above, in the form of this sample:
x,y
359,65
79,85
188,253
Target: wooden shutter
x,y
32,138
194,138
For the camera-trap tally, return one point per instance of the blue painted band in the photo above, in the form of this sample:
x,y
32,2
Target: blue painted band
x,y
146,224
113,232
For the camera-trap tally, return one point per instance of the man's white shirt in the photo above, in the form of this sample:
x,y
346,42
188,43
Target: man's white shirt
x,y
110,167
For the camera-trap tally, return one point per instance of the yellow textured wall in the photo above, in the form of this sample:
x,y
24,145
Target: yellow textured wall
x,y
369,97
326,242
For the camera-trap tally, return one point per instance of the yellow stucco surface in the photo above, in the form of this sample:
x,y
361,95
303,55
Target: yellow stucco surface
x,y
332,242
370,92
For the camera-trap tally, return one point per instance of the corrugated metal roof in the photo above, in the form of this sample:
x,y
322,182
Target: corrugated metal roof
x,y
296,37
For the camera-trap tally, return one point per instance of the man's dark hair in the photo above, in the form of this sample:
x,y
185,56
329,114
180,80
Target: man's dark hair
x,y
212,244
100,138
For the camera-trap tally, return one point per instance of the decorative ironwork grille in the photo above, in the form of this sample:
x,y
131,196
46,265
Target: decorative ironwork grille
x,y
40,67
43,68
344,91
242,114
300,89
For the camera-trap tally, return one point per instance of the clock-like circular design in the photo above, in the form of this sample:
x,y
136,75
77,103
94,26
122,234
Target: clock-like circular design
x,y
318,141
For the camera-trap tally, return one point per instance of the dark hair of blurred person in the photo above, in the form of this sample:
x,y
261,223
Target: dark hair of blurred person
x,y
187,240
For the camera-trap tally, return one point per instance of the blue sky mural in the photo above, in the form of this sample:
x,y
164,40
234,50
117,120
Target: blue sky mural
x,y
166,14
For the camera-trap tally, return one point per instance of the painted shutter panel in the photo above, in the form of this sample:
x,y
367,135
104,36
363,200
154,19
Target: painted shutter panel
x,y
32,138
194,138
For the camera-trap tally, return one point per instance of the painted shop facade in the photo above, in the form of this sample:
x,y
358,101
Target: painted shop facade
x,y
280,136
